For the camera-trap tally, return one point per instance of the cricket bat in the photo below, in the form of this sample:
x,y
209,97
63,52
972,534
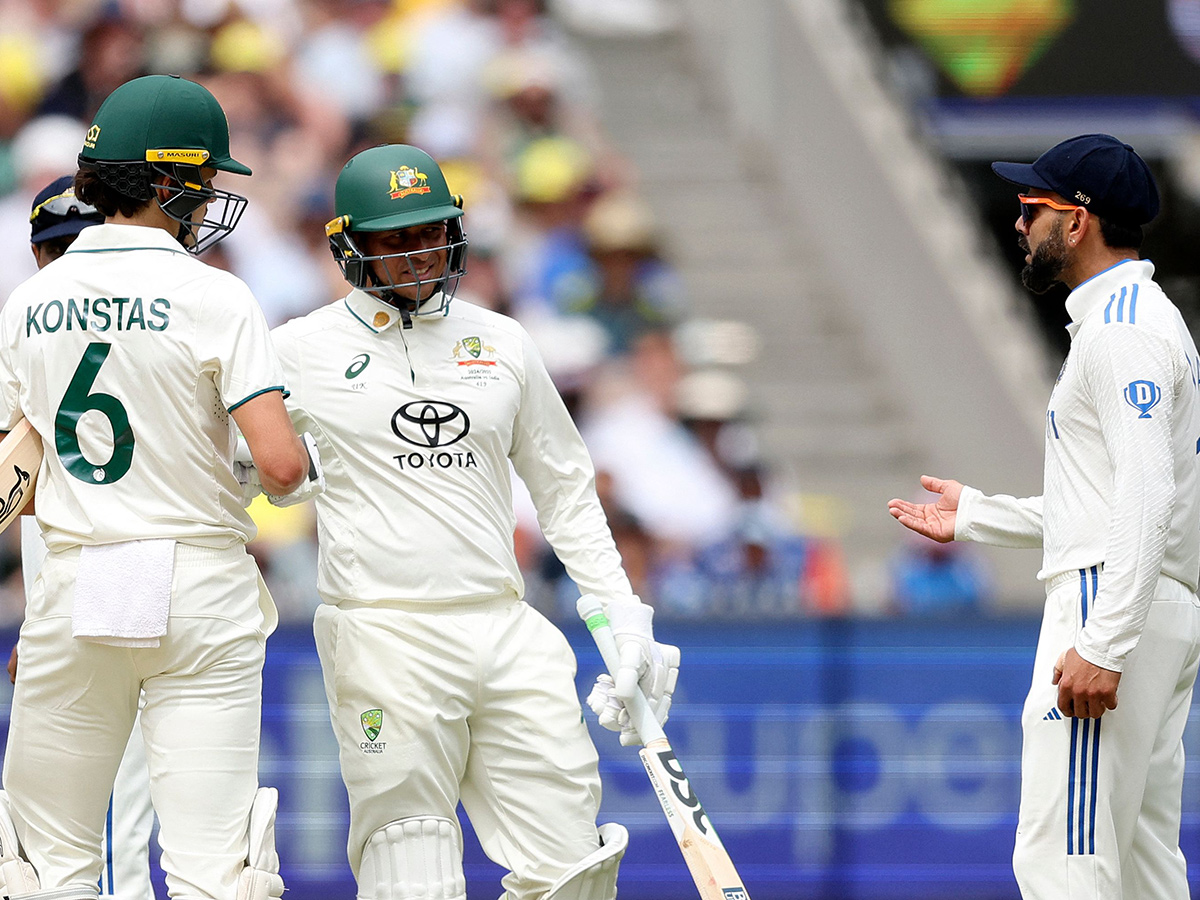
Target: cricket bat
x,y
20,459
705,855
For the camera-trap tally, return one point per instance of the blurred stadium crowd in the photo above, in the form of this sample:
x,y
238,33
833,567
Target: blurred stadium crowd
x,y
559,238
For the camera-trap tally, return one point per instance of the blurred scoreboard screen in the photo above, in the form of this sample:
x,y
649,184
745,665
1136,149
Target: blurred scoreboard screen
x,y
1049,48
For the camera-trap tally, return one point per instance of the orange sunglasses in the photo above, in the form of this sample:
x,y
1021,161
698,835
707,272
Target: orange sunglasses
x,y
1028,203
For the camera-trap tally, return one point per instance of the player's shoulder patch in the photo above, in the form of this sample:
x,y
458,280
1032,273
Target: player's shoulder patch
x,y
1122,305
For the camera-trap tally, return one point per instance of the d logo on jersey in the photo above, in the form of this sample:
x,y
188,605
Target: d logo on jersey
x,y
1143,396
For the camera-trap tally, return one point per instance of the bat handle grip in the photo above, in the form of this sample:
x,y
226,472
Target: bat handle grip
x,y
591,610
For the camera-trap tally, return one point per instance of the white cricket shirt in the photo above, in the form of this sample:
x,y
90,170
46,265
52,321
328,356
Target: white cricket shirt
x,y
416,428
1121,483
126,355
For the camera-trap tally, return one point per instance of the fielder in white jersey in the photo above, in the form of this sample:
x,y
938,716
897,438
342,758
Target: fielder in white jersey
x,y
57,218
1119,523
130,357
443,684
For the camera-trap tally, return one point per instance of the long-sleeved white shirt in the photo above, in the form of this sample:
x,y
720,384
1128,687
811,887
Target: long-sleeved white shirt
x,y
416,428
1121,485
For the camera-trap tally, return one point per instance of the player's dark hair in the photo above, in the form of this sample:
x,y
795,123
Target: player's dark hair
x,y
1121,237
109,201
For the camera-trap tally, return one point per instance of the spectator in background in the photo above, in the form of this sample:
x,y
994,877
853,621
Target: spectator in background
x,y
928,578
20,90
43,149
630,290
661,473
527,87
548,258
111,52
761,565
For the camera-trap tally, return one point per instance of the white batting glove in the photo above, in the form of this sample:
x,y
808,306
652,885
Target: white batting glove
x,y
646,665
611,712
312,485
245,472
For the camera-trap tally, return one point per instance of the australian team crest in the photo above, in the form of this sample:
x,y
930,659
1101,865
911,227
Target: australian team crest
x,y
467,352
407,180
372,723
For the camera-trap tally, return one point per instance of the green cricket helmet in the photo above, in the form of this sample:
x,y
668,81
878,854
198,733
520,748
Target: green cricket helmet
x,y
166,125
394,187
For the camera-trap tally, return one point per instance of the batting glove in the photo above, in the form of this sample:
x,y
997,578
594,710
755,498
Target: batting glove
x,y
646,665
611,712
245,472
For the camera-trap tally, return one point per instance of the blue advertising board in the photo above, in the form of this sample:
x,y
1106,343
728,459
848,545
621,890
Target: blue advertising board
x,y
838,759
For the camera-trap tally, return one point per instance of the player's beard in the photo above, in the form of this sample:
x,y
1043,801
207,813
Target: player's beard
x,y
1048,261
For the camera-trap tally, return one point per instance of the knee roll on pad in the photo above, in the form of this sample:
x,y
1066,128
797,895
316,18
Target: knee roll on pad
x,y
260,879
16,875
419,858
595,876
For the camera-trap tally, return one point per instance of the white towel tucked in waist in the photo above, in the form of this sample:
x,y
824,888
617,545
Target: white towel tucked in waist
x,y
123,593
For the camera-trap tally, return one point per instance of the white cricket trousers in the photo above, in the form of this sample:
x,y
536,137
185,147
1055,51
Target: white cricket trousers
x,y
1100,798
125,849
472,701
73,709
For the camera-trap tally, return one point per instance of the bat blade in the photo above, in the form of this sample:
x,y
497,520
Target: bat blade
x,y
707,859
20,460
712,870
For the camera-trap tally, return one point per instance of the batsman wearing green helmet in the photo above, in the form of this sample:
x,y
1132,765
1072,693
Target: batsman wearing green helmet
x,y
443,684
133,360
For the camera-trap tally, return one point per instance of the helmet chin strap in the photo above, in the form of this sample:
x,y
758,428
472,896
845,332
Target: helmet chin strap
x,y
405,306
185,231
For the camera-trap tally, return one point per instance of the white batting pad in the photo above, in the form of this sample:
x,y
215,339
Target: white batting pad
x,y
595,876
419,858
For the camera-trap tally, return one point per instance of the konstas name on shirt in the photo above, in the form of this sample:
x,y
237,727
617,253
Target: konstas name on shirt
x,y
98,314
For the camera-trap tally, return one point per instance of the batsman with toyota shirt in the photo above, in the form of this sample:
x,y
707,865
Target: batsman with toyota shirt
x,y
1119,523
443,684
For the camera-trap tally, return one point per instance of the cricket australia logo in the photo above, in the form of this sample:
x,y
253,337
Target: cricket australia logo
x,y
372,724
469,350
1143,396
407,180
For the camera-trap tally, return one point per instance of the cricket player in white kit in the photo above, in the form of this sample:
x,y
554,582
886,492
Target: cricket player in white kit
x,y
1119,523
57,218
129,357
443,684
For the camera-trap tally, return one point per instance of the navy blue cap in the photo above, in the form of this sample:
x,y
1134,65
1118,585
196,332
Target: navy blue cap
x,y
57,212
1097,171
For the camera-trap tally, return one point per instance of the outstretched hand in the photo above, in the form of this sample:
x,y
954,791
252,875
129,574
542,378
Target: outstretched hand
x,y
934,520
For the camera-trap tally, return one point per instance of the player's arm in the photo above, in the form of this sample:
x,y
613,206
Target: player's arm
x,y
1121,360
962,513
278,453
551,458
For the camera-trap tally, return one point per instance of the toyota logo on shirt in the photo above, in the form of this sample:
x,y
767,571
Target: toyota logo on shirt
x,y
430,423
